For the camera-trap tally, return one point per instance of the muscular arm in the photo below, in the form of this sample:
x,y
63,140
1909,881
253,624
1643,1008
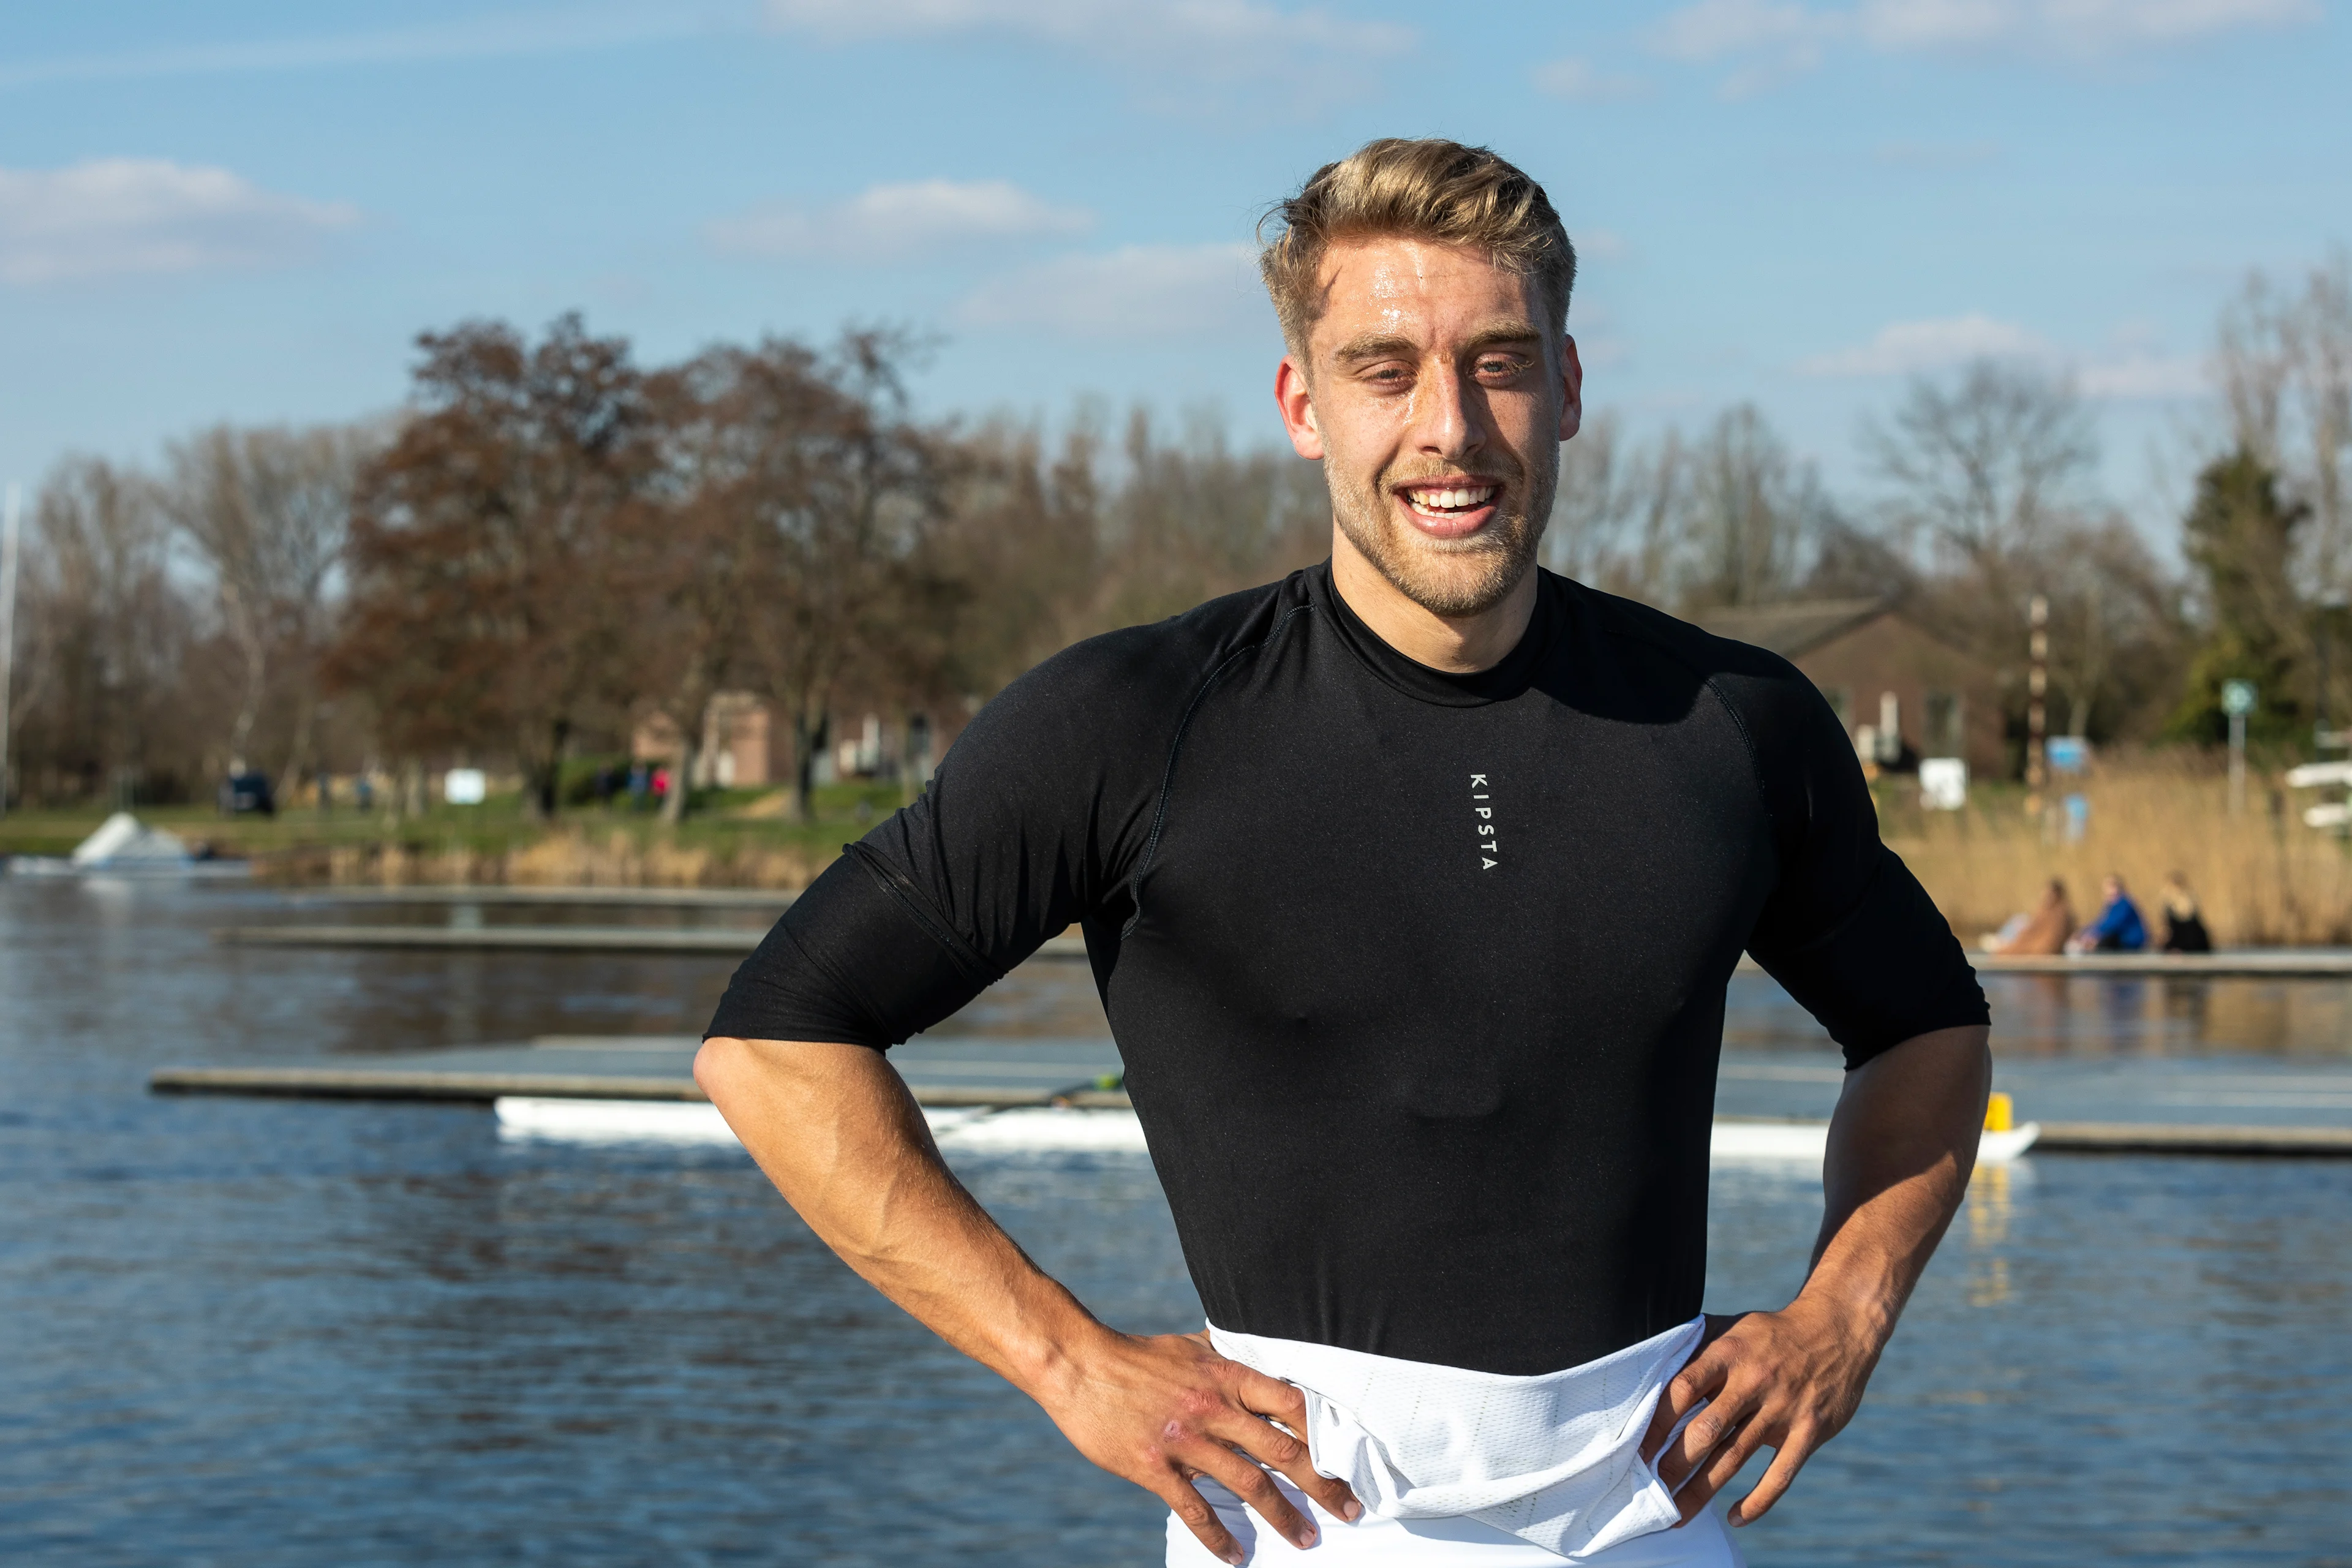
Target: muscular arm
x,y
1901,1146
835,1130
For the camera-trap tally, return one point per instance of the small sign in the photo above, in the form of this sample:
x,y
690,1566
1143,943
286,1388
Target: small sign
x,y
2237,697
2078,817
464,786
1943,783
2067,753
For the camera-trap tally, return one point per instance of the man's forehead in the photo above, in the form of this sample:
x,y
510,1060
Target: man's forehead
x,y
1388,286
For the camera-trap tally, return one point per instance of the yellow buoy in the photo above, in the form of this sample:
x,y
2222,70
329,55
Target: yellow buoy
x,y
2001,1116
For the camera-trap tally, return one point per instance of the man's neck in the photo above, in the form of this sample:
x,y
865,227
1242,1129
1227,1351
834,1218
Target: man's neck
x,y
1462,646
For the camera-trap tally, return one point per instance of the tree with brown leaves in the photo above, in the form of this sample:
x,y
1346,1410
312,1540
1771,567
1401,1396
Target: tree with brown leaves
x,y
490,609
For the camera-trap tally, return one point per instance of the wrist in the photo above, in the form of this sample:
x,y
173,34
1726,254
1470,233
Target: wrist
x,y
1057,1361
1865,1308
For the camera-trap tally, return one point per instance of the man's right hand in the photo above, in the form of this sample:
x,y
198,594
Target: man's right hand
x,y
1158,1411
835,1130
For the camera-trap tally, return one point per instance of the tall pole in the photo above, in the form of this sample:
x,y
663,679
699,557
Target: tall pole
x,y
2237,764
10,518
2037,682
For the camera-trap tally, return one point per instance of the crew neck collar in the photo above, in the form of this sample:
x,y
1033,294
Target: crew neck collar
x,y
1498,683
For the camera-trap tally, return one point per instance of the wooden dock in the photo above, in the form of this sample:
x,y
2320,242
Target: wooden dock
x,y
514,893
578,1066
383,1083
987,1074
2273,963
648,941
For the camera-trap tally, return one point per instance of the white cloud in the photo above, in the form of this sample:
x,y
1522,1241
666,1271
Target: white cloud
x,y
1913,348
115,215
1907,347
1768,40
2071,26
1136,290
491,37
1897,25
895,222
1581,81
1216,38
1712,29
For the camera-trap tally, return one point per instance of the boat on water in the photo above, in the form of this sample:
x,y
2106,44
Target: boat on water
x,y
125,847
1052,1128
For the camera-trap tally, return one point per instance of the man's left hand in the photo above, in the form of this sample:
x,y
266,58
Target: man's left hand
x,y
1787,1380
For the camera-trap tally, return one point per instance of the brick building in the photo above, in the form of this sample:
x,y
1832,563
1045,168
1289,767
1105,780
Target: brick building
x,y
1902,693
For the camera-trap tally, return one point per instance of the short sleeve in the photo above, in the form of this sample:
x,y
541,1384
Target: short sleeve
x,y
1028,826
1847,930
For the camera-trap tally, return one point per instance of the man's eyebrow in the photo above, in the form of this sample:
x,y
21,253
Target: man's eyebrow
x,y
1379,345
1501,333
1374,345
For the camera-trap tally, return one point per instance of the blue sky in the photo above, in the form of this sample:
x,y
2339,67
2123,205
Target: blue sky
x,y
248,211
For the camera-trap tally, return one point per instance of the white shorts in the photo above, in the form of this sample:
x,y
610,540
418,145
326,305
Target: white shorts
x,y
1703,1542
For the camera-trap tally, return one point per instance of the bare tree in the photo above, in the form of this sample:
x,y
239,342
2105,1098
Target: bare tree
x,y
1193,518
106,637
1598,499
2284,356
2116,629
1622,516
266,512
1983,464
1750,512
1022,535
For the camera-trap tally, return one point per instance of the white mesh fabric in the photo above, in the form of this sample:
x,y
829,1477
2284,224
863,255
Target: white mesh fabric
x,y
1554,1459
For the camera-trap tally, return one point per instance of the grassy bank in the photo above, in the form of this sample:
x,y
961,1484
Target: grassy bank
x,y
2262,878
735,839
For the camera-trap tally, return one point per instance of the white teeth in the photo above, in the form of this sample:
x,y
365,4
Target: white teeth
x,y
1449,501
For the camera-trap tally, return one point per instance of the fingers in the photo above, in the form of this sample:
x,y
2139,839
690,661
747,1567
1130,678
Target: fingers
x,y
1700,1379
1727,1409
1184,1501
1794,1452
1287,1451
1257,1489
1715,1472
1697,1382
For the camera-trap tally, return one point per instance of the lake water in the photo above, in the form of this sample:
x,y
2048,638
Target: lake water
x,y
270,1333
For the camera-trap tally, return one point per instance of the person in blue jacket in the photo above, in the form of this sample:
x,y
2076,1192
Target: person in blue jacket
x,y
2118,928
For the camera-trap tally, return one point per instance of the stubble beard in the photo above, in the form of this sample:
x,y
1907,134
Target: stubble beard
x,y
1452,578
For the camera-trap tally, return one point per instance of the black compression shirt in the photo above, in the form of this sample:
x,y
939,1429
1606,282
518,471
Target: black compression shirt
x,y
1418,978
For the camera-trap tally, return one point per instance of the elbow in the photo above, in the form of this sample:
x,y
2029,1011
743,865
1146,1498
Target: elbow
x,y
716,1063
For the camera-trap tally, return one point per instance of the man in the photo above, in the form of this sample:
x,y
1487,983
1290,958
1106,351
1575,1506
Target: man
x,y
1411,885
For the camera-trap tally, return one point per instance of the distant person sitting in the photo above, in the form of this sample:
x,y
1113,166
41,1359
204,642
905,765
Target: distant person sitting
x,y
2184,928
2042,932
2118,928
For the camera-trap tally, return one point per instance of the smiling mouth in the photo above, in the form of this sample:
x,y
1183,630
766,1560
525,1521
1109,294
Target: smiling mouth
x,y
1450,502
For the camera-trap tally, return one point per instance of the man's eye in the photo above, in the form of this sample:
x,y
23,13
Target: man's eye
x,y
1501,366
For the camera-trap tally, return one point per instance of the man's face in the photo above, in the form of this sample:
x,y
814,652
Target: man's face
x,y
1436,401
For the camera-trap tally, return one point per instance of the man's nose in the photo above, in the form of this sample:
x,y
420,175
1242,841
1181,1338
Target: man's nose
x,y
1450,421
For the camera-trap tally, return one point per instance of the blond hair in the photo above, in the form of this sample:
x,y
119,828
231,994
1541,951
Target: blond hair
x,y
1432,189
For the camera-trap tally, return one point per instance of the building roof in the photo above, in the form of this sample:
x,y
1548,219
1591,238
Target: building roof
x,y
1794,628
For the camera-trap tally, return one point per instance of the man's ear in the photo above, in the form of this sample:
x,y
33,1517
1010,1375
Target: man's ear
x,y
1572,375
1292,395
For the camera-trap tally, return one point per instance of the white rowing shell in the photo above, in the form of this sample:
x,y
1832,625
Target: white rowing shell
x,y
1048,1129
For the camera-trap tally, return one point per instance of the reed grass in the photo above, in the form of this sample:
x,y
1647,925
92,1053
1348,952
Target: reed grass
x,y
2261,878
